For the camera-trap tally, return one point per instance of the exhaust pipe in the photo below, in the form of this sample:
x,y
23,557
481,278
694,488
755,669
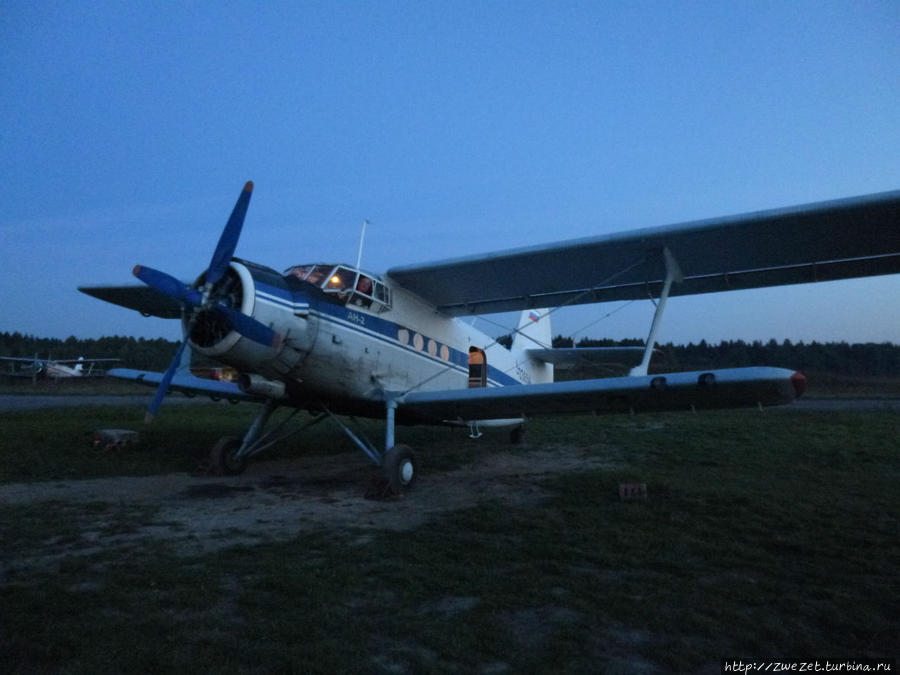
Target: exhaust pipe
x,y
260,386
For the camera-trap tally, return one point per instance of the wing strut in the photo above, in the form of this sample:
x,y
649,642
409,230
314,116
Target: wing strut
x,y
673,273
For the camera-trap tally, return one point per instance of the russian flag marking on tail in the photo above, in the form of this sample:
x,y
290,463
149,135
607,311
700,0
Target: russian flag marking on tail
x,y
534,316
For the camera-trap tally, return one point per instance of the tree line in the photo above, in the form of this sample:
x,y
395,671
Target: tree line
x,y
140,353
838,358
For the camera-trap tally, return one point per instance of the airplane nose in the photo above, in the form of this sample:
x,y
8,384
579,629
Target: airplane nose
x,y
798,379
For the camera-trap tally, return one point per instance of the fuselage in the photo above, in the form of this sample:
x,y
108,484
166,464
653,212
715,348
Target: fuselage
x,y
350,339
58,370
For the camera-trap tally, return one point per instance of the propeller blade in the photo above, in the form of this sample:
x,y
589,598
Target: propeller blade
x,y
230,235
168,285
164,384
249,327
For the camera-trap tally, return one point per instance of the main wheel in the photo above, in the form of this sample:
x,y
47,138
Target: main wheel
x,y
222,456
400,468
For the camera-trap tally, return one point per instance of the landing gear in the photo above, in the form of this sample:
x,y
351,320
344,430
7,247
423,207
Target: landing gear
x,y
397,463
229,456
224,457
400,470
517,436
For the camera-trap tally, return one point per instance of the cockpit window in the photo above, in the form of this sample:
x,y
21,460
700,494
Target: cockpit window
x,y
346,284
362,296
382,294
341,280
319,273
300,271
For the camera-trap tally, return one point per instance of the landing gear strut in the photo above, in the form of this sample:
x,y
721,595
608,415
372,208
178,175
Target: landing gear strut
x,y
229,456
397,462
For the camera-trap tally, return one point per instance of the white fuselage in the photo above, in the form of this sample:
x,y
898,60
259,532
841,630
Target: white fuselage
x,y
338,348
58,370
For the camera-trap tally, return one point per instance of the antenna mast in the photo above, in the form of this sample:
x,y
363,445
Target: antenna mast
x,y
362,237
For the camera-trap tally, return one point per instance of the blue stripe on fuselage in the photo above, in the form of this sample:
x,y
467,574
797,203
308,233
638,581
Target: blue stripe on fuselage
x,y
375,327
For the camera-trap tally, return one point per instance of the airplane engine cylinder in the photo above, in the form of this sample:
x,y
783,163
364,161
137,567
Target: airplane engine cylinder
x,y
260,386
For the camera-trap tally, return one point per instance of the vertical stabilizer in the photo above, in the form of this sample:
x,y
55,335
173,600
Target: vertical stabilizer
x,y
534,332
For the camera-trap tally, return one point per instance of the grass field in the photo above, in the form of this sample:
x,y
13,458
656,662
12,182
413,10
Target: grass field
x,y
821,385
763,536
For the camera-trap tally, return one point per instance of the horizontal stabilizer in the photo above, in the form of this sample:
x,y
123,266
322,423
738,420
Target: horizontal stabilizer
x,y
569,357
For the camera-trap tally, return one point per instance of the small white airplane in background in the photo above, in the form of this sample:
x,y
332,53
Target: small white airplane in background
x,y
337,340
56,369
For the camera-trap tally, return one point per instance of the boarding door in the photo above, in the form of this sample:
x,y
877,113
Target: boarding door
x,y
477,368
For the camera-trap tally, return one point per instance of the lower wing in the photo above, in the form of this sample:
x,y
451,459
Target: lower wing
x,y
187,383
729,388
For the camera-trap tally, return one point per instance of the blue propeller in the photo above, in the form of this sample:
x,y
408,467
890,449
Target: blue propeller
x,y
168,285
230,235
164,384
195,300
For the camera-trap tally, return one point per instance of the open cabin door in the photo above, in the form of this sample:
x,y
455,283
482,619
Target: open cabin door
x,y
477,368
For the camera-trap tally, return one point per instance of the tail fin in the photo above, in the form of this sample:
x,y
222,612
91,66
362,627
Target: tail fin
x,y
534,332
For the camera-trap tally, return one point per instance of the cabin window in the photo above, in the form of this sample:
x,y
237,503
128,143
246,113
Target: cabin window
x,y
477,368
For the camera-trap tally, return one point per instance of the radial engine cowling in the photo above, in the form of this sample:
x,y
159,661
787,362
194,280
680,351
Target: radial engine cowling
x,y
247,287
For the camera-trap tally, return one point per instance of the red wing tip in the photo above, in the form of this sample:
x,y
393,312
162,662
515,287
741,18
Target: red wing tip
x,y
248,186
798,379
136,270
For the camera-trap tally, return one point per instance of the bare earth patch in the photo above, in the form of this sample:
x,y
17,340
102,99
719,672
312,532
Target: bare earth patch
x,y
276,500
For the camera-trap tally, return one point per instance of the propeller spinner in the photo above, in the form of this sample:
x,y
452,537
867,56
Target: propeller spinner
x,y
195,301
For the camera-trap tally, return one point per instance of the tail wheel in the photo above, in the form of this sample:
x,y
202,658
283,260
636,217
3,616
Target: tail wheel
x,y
400,468
222,456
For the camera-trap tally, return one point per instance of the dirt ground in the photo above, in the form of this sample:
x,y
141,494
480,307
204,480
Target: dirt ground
x,y
275,500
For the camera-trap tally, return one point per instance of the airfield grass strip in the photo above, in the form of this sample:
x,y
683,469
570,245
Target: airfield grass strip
x,y
763,536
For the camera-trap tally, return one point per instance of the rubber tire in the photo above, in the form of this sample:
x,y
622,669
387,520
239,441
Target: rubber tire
x,y
517,436
222,456
400,469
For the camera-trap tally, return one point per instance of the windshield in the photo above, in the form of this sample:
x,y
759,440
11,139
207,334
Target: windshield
x,y
346,284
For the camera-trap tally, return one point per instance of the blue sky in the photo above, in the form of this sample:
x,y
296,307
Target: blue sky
x,y
128,130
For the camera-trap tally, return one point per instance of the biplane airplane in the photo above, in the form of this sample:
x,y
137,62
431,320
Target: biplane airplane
x,y
340,341
56,369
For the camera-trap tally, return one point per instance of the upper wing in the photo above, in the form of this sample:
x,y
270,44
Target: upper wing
x,y
831,240
142,298
728,388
